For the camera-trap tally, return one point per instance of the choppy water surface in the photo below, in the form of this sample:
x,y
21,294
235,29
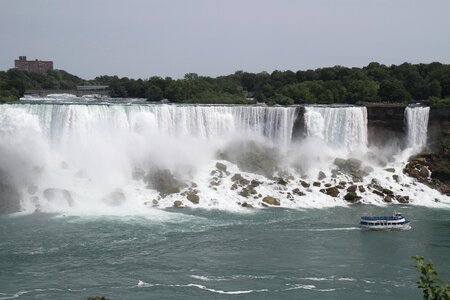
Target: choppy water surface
x,y
201,254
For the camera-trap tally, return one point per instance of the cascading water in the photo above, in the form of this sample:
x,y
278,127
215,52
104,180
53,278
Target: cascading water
x,y
120,158
416,119
340,127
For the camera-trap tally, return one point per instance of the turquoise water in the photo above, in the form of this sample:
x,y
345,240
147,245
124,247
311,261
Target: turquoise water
x,y
199,254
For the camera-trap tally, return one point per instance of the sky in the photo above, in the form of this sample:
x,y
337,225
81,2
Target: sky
x,y
144,38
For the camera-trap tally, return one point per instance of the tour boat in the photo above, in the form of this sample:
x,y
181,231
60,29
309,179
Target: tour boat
x,y
396,221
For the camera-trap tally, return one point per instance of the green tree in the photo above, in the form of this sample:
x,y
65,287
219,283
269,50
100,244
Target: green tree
x,y
429,281
153,93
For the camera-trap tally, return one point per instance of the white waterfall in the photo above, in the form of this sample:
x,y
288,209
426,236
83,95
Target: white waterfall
x,y
416,119
65,121
341,127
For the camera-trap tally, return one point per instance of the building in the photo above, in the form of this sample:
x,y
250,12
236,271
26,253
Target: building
x,y
36,66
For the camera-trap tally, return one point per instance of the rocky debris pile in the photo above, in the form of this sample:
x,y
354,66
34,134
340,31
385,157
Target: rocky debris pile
x,y
270,201
351,167
253,157
387,194
246,187
431,169
163,181
217,175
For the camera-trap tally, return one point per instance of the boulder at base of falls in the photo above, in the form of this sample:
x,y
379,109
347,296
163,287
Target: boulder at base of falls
x,y
254,157
321,175
59,196
221,167
352,188
239,179
271,201
246,205
298,192
316,183
192,196
163,181
332,191
352,197
305,184
361,189
387,199
177,203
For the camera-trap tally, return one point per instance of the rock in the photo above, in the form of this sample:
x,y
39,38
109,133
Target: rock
x,y
271,201
298,192
341,187
316,183
177,203
163,181
327,184
353,163
403,200
378,193
254,183
423,172
155,202
352,188
221,167
361,189
237,178
321,175
304,184
391,170
332,191
388,192
246,205
343,183
387,199
340,162
282,181
192,196
351,197
234,187
244,193
254,157
214,183
395,177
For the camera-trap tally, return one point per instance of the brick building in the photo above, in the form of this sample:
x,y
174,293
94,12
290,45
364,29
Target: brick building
x,y
36,66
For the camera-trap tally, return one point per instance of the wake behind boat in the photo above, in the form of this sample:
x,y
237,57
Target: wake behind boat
x,y
394,222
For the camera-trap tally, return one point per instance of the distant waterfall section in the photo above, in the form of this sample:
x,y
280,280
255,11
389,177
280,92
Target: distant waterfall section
x,y
60,122
416,119
341,127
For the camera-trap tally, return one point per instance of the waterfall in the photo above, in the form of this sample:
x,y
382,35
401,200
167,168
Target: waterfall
x,y
340,127
60,122
416,119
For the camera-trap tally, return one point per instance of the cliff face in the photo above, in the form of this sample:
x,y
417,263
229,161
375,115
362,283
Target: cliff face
x,y
385,124
439,128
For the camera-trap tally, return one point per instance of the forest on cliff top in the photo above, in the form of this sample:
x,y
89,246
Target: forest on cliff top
x,y
374,82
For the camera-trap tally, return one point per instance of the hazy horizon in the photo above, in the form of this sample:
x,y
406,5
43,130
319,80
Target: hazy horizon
x,y
140,39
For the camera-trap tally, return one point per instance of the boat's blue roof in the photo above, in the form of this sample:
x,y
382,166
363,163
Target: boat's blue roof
x,y
387,218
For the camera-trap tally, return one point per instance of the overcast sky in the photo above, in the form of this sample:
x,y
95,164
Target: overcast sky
x,y
139,38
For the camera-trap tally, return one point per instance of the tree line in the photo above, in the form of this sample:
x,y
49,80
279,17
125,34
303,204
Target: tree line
x,y
374,82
